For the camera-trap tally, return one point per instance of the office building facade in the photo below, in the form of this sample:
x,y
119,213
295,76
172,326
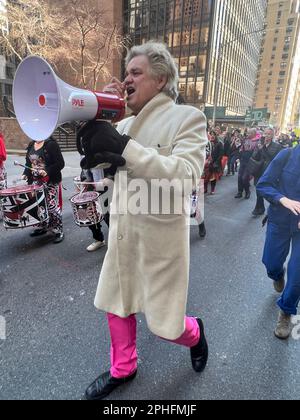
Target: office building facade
x,y
278,76
216,64
185,26
7,66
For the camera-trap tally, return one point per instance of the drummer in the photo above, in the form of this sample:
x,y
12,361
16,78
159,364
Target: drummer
x,y
2,160
94,179
44,163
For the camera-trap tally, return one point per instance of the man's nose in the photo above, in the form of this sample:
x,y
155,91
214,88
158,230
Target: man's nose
x,y
128,80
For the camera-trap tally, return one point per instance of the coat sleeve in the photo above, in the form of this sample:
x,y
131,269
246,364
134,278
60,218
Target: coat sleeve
x,y
3,155
57,161
185,162
27,172
268,185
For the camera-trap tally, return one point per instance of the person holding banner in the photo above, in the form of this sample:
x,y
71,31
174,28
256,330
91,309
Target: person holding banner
x,y
160,143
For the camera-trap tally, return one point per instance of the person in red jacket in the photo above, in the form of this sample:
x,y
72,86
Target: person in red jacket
x,y
2,160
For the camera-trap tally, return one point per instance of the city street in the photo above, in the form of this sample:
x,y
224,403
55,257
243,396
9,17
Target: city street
x,y
57,343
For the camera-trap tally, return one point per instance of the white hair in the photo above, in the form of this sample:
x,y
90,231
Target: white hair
x,y
161,62
252,132
270,129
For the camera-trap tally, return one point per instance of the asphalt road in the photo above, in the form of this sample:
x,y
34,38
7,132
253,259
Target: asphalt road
x,y
57,343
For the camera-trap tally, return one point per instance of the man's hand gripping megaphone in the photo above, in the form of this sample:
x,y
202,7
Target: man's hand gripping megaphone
x,y
99,141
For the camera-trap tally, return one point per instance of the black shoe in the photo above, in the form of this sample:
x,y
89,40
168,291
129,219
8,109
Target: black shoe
x,y
38,232
239,195
104,385
258,212
199,353
59,237
248,195
202,230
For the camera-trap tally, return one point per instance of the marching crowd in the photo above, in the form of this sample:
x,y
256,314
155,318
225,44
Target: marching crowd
x,y
246,153
166,140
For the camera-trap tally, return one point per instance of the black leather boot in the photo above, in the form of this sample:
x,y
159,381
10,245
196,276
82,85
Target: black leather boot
x,y
202,230
104,385
38,232
199,353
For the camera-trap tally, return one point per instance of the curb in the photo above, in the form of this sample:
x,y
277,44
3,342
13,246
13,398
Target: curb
x,y
16,152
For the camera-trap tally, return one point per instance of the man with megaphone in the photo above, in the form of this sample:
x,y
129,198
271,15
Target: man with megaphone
x,y
146,268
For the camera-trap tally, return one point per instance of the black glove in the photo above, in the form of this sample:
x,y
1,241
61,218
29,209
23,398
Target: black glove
x,y
100,142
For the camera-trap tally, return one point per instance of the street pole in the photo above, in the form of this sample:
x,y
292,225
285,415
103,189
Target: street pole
x,y
218,84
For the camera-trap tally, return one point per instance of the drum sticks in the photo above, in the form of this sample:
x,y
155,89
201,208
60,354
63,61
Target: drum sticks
x,y
23,166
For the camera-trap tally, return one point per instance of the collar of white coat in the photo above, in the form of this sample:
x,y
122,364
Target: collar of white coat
x,y
154,106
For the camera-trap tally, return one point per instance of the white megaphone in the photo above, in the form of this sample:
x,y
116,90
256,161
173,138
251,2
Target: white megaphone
x,y
42,101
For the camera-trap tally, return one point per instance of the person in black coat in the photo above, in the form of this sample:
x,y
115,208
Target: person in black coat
x,y
268,150
213,169
44,163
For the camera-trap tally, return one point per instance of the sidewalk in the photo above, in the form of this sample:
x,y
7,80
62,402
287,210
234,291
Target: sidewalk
x,y
16,152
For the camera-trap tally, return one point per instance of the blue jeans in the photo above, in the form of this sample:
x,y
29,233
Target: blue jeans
x,y
277,247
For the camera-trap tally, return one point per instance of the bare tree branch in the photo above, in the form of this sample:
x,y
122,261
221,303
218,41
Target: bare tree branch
x,y
77,35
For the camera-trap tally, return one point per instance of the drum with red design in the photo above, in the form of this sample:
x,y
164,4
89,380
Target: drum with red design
x,y
86,209
3,185
80,186
24,206
3,178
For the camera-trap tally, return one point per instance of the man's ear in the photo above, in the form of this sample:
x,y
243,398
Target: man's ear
x,y
161,82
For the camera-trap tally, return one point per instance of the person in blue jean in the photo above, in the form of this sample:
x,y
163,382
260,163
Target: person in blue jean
x,y
280,185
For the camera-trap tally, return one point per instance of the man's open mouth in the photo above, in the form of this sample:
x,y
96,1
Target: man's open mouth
x,y
130,91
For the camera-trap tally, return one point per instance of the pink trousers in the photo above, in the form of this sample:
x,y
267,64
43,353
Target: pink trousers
x,y
123,352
